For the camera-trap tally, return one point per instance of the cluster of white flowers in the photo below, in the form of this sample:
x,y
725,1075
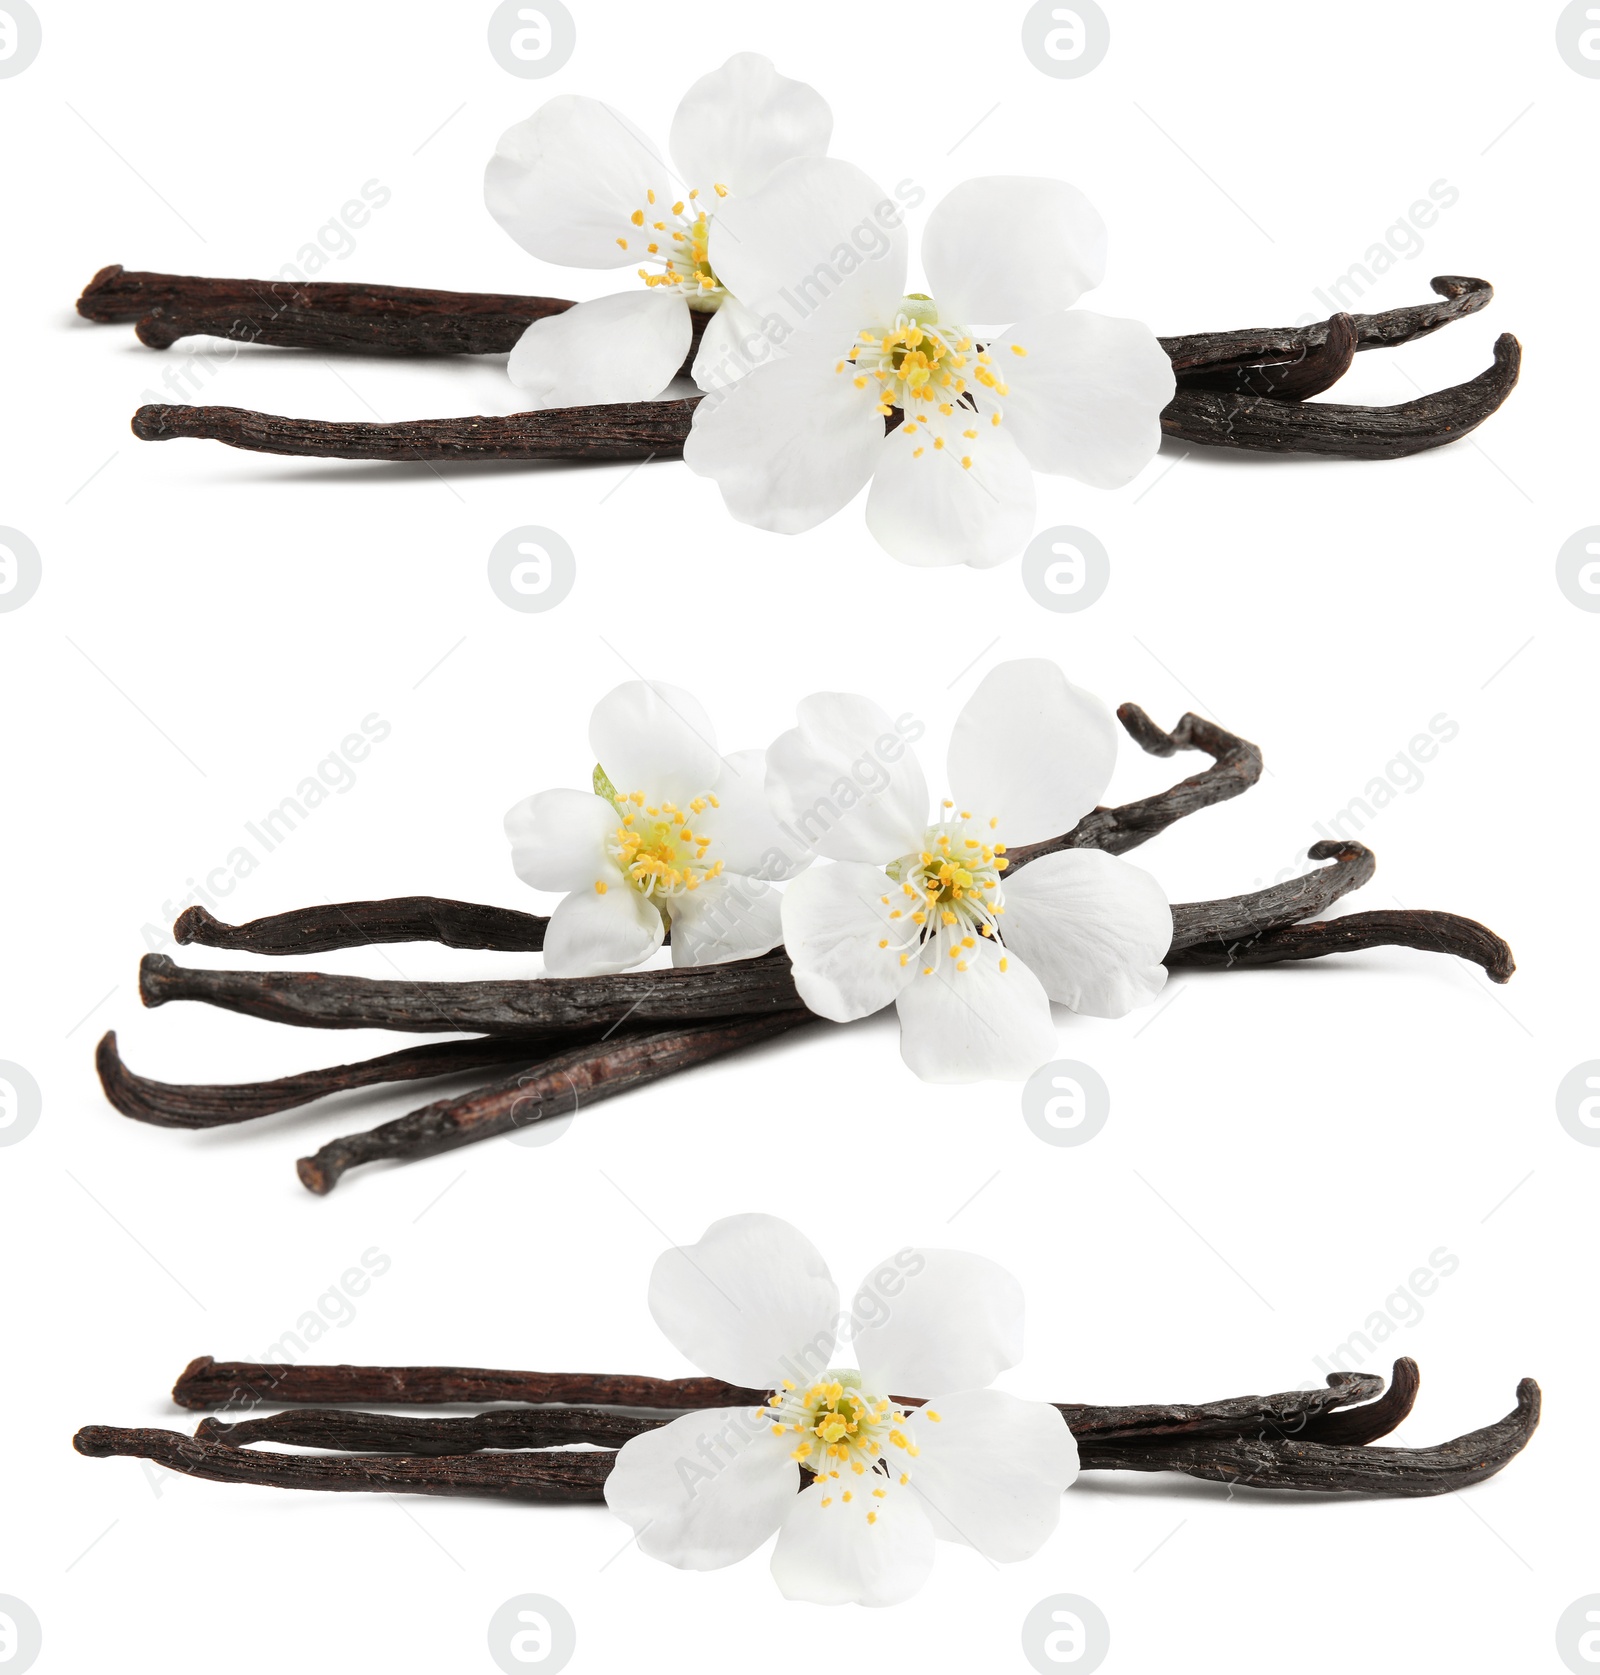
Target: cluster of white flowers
x,y
912,903
823,373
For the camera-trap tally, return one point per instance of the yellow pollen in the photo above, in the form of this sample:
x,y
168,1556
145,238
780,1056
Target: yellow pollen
x,y
637,218
623,243
600,886
1017,349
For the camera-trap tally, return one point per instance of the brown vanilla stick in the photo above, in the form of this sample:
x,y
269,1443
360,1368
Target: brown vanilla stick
x,y
1335,1468
555,1087
209,1384
356,924
387,1433
202,1105
562,1475
501,1006
1428,931
1251,359
1236,917
633,430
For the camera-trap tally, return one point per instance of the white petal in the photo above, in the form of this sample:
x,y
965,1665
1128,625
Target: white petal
x,y
744,831
954,1324
752,1303
590,934
1093,928
706,1490
565,182
844,945
736,125
831,1555
790,442
728,918
1007,246
558,840
731,346
991,1469
929,509
1086,400
625,347
1032,749
655,738
977,1025
821,247
846,780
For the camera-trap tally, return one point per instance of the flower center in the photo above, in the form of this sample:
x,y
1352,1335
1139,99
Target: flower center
x,y
937,377
844,1435
676,241
950,889
656,847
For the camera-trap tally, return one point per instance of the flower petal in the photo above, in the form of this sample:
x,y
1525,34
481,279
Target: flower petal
x,y
845,947
1007,246
652,737
729,917
820,247
978,1025
736,125
846,780
1093,928
1032,749
831,1555
558,840
954,1324
752,1302
1086,400
927,508
591,933
706,1490
790,442
991,1469
564,182
625,347
731,346
744,832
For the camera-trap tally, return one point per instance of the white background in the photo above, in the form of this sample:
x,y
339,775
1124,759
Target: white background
x,y
1285,1146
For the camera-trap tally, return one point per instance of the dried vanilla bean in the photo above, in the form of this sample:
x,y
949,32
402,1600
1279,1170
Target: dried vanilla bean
x,y
209,1384
628,430
1430,932
560,1475
202,1105
386,1433
555,1087
359,924
1260,424
496,1006
1347,1468
1252,359
1237,917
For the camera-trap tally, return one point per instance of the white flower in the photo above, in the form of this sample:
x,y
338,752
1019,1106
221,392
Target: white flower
x,y
673,833
819,255
914,910
753,1303
579,185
